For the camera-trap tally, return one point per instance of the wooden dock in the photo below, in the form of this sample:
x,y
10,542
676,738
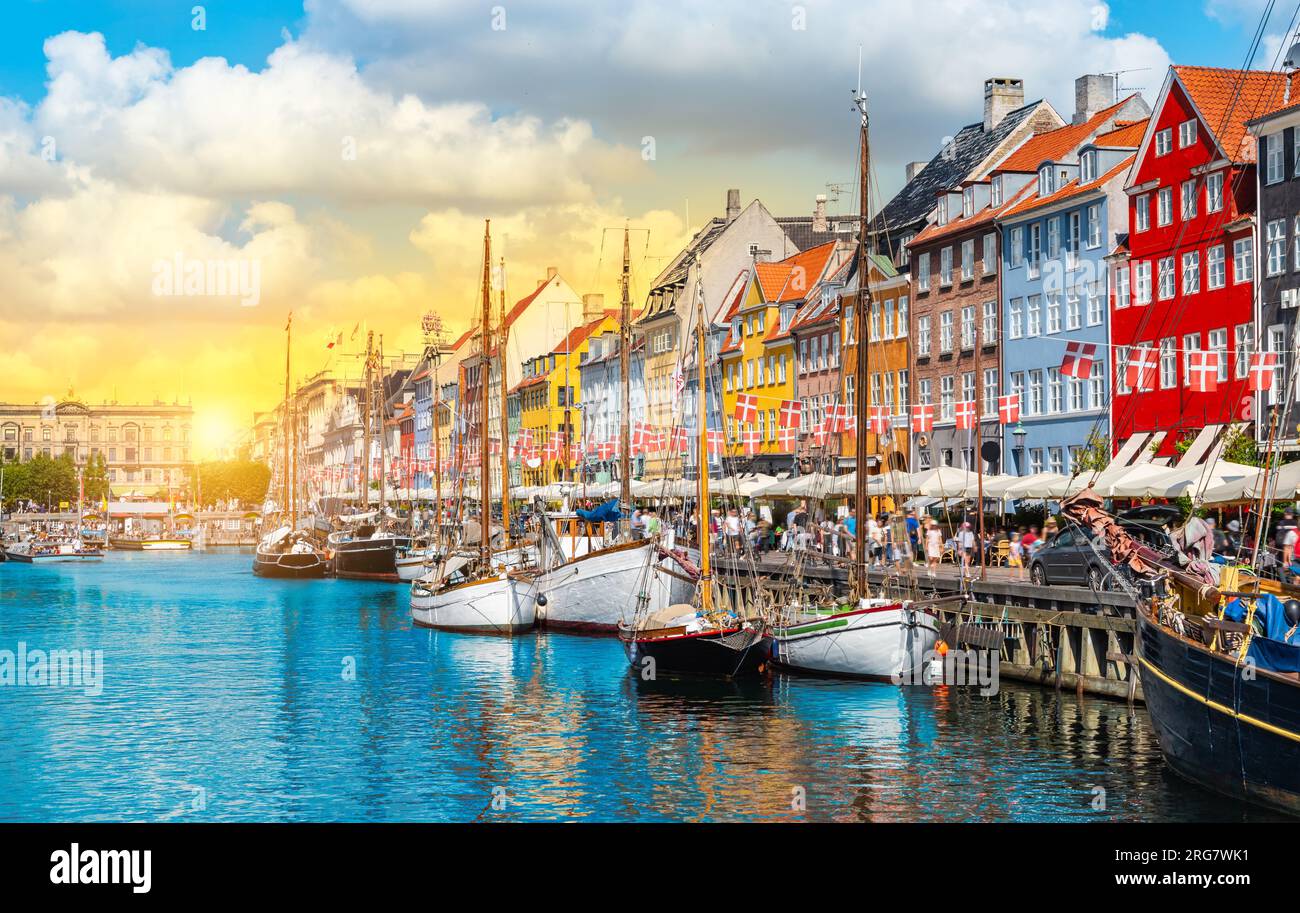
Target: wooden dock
x,y
1056,636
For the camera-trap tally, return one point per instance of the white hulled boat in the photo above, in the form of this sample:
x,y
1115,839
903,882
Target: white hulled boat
x,y
878,639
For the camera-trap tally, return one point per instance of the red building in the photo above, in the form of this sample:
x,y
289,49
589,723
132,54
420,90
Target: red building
x,y
1184,281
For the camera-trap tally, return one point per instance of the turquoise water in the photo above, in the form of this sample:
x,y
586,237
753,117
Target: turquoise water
x,y
230,698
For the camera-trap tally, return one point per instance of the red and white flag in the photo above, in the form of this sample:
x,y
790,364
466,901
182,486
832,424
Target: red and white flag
x,y
681,441
923,418
1203,371
1140,374
751,442
788,439
1078,359
746,408
640,435
791,413
819,433
1262,368
837,419
878,421
1009,408
965,415
606,450
717,442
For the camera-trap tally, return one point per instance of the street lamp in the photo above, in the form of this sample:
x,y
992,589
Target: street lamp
x,y
1018,433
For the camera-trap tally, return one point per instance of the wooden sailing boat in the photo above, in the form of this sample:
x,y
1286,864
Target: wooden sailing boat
x,y
285,552
368,550
699,637
466,591
872,637
595,591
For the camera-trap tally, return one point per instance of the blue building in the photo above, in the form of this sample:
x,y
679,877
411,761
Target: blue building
x,y
423,426
1057,232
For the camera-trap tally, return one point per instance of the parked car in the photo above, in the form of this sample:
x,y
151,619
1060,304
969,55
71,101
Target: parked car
x,y
1069,558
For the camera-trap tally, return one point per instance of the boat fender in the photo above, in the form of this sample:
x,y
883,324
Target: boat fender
x,y
936,662
541,599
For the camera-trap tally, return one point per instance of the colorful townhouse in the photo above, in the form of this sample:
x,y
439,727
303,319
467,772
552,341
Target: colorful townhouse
x,y
1185,280
550,414
1278,261
602,403
709,264
818,383
888,367
758,355
957,280
1056,238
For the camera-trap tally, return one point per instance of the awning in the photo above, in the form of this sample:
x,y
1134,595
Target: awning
x,y
1126,453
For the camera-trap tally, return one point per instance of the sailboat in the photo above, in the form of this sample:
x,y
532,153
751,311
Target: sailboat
x,y
872,637
594,591
368,548
286,552
700,637
468,591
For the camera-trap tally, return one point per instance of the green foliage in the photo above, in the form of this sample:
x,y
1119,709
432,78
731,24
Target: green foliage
x,y
94,477
1095,455
246,480
1239,447
42,478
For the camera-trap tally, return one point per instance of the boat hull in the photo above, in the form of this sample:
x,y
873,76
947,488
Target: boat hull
x,y
878,643
499,605
594,593
151,545
729,653
1232,734
24,558
290,566
368,559
411,566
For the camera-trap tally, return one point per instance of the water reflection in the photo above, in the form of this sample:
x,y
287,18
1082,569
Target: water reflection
x,y
231,698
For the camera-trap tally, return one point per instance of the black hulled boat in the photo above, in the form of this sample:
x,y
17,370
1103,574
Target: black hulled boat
x,y
362,555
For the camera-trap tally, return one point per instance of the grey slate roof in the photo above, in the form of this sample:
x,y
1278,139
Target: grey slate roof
x,y
799,229
909,207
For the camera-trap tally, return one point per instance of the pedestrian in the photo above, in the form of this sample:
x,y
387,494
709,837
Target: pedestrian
x,y
966,546
933,547
1016,558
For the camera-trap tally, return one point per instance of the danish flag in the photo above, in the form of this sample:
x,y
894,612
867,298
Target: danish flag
x,y
746,408
1141,372
923,418
837,419
1009,408
751,442
788,439
606,450
1262,366
640,435
576,452
791,413
1203,371
878,422
819,432
680,440
654,440
966,415
717,443
1078,359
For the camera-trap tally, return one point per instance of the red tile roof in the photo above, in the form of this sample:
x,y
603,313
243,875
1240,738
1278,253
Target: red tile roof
x,y
578,335
935,231
780,282
1070,190
1054,144
1126,135
1227,99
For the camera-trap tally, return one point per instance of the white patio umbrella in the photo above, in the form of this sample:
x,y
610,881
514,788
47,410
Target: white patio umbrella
x,y
1132,481
1194,480
1038,485
1282,484
943,482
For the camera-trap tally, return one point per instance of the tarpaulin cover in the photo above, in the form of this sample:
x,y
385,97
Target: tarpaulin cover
x,y
605,513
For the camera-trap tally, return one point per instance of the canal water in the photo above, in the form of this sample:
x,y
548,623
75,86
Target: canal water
x,y
229,698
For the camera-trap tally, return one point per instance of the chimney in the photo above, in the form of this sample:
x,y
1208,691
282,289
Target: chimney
x,y
1092,93
912,169
733,204
593,307
551,273
1002,95
819,213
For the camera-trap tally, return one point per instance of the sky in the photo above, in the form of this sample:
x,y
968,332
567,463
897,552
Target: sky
x,y
341,155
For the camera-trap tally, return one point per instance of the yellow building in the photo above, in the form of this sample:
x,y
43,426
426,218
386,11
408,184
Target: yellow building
x,y
758,354
549,395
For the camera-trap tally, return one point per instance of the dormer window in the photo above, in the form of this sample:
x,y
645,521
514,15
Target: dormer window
x,y
967,202
943,210
995,191
1088,166
1046,182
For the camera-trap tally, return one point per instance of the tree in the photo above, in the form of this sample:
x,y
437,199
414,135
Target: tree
x,y
94,478
43,479
1095,455
222,480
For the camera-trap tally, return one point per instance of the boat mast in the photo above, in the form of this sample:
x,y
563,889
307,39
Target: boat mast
x,y
288,473
624,372
702,449
365,425
484,480
861,376
383,430
437,446
503,333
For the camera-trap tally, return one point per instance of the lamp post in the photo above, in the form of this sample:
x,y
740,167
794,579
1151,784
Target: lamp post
x,y
1019,434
